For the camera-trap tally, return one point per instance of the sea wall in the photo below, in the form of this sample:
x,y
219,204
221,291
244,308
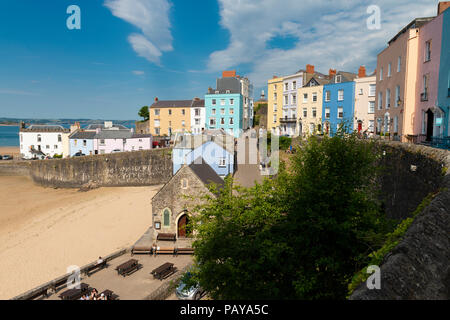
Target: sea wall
x,y
418,267
139,168
14,168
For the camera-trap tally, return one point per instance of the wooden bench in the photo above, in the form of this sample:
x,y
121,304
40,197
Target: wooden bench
x,y
163,271
75,294
165,251
184,251
128,267
39,293
166,237
97,266
141,249
110,295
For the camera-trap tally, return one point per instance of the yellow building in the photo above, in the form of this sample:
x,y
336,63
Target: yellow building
x,y
274,104
168,117
310,106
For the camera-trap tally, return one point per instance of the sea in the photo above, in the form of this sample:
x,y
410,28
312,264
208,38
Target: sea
x,y
9,136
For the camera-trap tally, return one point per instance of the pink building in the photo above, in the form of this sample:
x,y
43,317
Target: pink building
x,y
139,142
111,141
428,62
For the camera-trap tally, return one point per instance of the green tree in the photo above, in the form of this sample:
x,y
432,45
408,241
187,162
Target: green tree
x,y
144,113
302,235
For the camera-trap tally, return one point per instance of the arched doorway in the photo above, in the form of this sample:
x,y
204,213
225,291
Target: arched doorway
x,y
183,221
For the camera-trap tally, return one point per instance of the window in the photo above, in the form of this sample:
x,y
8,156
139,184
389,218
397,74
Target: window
x,y
156,122
197,122
222,162
294,85
371,125
294,99
371,107
361,91
213,102
396,124
55,147
327,96
183,112
286,100
231,110
231,102
227,91
399,64
156,112
39,138
213,112
59,138
166,217
222,102
21,137
184,183
275,96
340,95
170,112
327,113
340,113
157,131
231,121
380,100
389,69
388,98
222,111
286,86
47,147
183,123
397,96
274,118
222,121
314,112
381,74
305,98
84,143
305,113
212,122
314,96
197,112
427,51
372,90
338,78
102,142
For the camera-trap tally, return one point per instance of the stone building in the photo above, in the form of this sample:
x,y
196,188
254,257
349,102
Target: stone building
x,y
175,202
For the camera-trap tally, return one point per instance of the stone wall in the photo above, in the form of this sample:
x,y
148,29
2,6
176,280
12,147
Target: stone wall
x,y
14,168
418,268
408,174
139,168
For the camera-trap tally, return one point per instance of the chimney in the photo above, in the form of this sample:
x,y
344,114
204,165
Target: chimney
x,y
229,74
309,69
442,6
97,131
332,72
362,72
274,77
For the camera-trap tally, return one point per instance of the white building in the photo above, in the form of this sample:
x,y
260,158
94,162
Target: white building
x,y
247,93
288,124
198,116
365,93
43,140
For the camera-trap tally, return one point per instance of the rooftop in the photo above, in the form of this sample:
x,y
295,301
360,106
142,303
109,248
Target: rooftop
x,y
44,128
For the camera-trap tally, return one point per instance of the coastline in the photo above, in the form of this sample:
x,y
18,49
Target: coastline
x,y
8,125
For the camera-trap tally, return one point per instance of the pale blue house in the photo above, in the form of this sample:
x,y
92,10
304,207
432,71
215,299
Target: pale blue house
x,y
216,151
82,142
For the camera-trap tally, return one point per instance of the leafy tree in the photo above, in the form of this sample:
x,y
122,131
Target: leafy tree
x,y
144,113
302,235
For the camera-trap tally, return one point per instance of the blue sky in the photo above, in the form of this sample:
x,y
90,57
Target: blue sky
x,y
129,51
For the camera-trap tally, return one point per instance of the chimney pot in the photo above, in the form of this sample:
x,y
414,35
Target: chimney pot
x,y
156,99
332,72
309,69
362,72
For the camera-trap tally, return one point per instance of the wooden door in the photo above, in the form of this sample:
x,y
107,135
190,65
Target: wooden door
x,y
182,222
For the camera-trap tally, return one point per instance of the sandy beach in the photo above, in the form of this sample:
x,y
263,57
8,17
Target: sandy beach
x,y
45,230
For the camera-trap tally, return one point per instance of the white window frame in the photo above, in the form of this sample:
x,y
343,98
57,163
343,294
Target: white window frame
x,y
341,95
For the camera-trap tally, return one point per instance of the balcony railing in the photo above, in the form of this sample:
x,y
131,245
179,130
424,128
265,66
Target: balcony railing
x,y
286,120
424,96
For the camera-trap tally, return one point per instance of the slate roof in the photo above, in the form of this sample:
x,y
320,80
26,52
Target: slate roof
x,y
95,126
85,135
205,173
194,103
194,141
114,134
44,128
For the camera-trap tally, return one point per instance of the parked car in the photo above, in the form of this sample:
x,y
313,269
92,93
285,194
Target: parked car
x,y
7,157
116,151
193,293
79,154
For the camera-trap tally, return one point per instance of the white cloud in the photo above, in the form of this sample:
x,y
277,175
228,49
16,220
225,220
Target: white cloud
x,y
152,18
329,34
138,72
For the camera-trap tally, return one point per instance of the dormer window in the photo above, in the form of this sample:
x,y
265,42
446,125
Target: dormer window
x,y
338,79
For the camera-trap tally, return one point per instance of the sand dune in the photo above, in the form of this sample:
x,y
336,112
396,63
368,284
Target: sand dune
x,y
43,230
